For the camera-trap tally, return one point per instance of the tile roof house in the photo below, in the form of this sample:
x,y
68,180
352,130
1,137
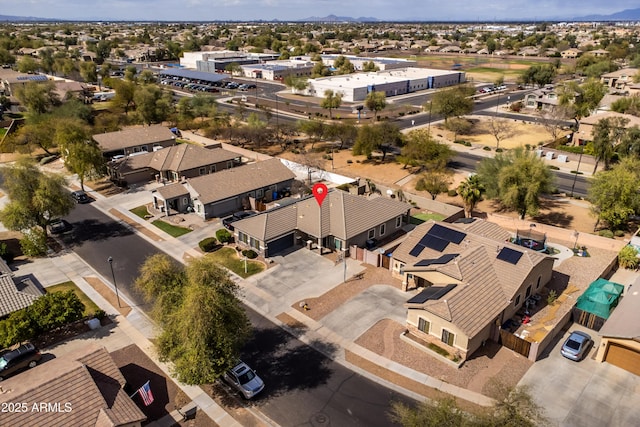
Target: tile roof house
x,y
619,80
474,279
620,335
546,98
347,220
83,388
14,295
586,125
571,53
134,140
172,164
227,191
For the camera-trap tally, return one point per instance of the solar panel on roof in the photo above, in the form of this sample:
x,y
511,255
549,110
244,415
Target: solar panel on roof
x,y
431,293
447,234
417,249
435,243
439,261
509,255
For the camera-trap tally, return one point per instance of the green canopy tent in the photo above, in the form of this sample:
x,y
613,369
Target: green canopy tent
x,y
594,306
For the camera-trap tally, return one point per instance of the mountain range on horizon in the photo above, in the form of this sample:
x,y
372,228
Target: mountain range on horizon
x,y
625,15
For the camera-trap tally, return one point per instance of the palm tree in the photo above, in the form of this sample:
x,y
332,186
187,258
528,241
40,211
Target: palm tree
x,y
470,190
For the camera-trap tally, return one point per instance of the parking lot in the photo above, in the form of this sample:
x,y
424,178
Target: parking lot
x,y
585,393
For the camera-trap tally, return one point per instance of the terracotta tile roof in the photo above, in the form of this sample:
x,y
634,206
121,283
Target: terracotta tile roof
x,y
131,137
485,284
87,380
239,180
344,216
15,296
484,228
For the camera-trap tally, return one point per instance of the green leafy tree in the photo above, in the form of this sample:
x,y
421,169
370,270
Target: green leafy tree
x,y
152,104
88,71
296,83
539,74
434,182
517,179
630,142
331,101
35,197
38,97
125,94
628,257
607,134
82,155
344,131
614,193
422,150
379,136
375,102
470,190
147,77
203,323
34,134
453,102
27,64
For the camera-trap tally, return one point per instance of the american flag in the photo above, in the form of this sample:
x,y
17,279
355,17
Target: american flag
x,y
145,393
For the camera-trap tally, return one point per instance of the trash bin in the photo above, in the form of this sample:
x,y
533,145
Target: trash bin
x,y
93,323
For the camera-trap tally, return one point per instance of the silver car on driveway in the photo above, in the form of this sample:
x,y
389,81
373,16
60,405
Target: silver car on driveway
x,y
576,346
244,379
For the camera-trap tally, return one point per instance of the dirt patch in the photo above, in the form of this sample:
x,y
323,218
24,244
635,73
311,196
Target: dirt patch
x,y
108,294
105,187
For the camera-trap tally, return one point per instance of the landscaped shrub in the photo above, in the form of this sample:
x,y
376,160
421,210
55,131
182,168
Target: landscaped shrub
x,y
452,193
618,233
344,187
208,244
47,313
628,257
5,253
552,297
606,233
34,242
223,235
250,253
485,148
499,150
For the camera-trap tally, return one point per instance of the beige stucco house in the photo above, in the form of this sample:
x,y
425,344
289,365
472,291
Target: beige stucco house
x,y
133,140
586,125
474,280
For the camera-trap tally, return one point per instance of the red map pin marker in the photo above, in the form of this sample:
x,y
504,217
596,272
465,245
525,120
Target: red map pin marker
x,y
319,192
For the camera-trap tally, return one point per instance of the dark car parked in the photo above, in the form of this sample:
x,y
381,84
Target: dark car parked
x,y
14,361
80,196
59,226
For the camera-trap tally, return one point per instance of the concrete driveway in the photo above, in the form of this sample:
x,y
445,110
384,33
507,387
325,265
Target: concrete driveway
x,y
356,316
300,274
585,393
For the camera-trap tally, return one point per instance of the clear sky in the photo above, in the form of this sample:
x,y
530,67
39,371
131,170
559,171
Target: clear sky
x,y
393,10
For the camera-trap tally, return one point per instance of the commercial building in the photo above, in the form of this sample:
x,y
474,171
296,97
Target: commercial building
x,y
356,87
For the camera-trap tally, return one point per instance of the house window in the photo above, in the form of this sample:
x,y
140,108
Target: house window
x,y
528,291
144,148
243,237
229,164
254,243
448,337
372,233
212,169
383,229
538,285
423,325
259,193
398,221
202,171
517,300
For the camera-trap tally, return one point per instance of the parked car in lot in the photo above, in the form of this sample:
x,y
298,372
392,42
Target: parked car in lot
x,y
244,379
23,357
576,346
80,196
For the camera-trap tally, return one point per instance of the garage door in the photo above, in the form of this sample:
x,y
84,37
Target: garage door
x,y
623,357
280,244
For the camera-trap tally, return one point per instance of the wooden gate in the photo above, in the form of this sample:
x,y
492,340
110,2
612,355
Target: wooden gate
x,y
515,343
587,319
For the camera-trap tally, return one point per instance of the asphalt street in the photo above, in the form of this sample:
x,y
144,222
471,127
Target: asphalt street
x,y
303,386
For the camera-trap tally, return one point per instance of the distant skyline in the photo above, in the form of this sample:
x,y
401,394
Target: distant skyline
x,y
286,10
